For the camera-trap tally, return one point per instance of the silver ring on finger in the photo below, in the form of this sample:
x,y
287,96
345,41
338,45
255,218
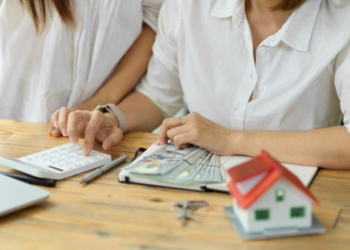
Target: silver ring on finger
x,y
83,115
179,121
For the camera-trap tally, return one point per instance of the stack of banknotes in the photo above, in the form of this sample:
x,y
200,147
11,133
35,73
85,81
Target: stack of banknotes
x,y
185,166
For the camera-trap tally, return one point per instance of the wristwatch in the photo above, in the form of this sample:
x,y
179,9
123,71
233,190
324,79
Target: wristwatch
x,y
113,109
101,107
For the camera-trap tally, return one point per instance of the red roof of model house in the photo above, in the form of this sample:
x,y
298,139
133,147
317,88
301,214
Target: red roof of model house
x,y
266,171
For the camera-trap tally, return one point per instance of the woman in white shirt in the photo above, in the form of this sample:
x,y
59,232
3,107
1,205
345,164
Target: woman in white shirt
x,y
62,56
253,79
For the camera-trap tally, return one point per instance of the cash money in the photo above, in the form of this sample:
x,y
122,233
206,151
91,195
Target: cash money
x,y
186,166
159,162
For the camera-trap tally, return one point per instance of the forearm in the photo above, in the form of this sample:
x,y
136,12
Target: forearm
x,y
128,72
328,147
140,112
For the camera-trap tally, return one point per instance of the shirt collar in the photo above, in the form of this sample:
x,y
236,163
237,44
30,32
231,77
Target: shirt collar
x,y
228,8
297,33
299,30
340,2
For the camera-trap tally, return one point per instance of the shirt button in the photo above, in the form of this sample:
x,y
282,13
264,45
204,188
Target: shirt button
x,y
261,88
252,78
262,51
238,112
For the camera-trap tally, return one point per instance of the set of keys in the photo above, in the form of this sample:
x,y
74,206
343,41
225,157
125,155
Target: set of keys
x,y
184,209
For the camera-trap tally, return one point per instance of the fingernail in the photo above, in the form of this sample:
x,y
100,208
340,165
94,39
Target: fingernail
x,y
64,131
107,144
55,123
86,152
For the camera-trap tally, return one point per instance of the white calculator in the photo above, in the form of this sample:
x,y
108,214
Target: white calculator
x,y
57,163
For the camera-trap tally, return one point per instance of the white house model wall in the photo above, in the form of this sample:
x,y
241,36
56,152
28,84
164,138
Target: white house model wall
x,y
281,206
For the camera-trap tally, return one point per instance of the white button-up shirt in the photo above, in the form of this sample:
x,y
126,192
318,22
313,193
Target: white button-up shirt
x,y
64,66
299,81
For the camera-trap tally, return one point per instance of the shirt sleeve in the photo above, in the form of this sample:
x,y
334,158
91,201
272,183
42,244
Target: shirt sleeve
x,y
150,12
161,83
342,82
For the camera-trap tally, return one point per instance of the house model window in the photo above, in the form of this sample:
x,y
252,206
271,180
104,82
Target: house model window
x,y
262,214
297,212
279,195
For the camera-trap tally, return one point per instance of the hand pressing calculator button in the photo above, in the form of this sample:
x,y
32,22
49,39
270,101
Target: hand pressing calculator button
x,y
57,163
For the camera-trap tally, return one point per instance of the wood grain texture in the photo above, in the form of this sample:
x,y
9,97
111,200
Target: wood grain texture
x,y
106,214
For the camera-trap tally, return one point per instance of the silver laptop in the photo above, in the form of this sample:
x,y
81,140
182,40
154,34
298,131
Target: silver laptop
x,y
15,195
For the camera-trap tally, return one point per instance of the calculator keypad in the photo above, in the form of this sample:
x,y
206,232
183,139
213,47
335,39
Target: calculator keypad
x,y
64,158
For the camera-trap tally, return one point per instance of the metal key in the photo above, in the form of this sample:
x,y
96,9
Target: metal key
x,y
183,209
184,212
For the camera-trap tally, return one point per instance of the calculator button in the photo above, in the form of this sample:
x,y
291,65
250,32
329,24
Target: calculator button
x,y
65,158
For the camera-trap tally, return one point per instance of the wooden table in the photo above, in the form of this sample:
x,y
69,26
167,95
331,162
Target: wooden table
x,y
106,214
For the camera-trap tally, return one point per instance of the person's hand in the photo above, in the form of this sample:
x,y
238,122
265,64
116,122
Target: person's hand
x,y
197,130
59,121
89,125
54,129
56,132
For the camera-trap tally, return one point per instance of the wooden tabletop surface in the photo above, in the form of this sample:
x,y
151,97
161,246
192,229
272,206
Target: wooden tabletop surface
x,y
106,214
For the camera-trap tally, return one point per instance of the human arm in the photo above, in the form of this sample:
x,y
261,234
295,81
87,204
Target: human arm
x,y
130,68
133,64
326,147
128,72
140,113
159,95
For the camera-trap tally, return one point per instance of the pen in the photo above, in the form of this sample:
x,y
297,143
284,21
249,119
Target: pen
x,y
103,169
31,180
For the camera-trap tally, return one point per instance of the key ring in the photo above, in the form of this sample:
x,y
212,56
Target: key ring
x,y
191,204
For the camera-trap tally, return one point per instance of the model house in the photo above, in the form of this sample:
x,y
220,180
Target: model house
x,y
267,196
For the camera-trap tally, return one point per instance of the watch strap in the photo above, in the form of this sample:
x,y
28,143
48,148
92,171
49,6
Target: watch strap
x,y
111,108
